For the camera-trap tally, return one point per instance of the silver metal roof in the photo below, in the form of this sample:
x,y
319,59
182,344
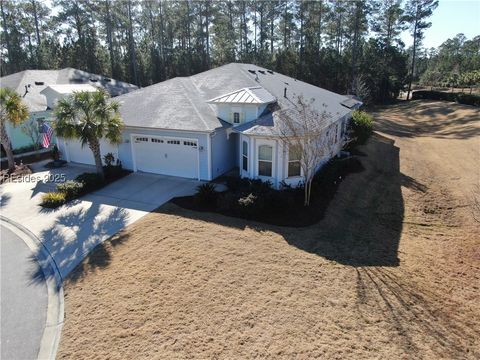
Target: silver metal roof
x,y
252,95
70,88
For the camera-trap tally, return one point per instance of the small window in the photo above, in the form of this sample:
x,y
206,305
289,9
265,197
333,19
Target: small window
x,y
141,139
160,141
294,156
265,155
38,83
236,118
245,156
189,143
173,142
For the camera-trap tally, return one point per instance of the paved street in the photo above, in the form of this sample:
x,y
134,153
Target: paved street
x,y
23,299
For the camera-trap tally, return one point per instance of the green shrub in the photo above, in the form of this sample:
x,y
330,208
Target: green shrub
x,y
109,159
113,172
91,181
236,183
334,171
206,195
53,199
468,99
72,189
461,98
362,125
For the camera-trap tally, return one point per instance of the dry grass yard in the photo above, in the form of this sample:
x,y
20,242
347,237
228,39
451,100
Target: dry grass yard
x,y
391,272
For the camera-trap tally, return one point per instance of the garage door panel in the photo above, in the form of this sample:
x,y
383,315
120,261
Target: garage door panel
x,y
167,156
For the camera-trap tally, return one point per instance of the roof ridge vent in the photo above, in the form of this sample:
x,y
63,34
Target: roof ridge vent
x,y
252,71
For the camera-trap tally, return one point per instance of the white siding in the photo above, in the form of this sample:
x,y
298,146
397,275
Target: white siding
x,y
247,112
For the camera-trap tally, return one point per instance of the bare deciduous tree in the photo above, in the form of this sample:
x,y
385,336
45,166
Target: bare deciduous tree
x,y
30,129
308,132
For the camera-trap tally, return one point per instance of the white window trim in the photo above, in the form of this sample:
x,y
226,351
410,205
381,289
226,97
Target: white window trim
x,y
258,145
239,117
244,156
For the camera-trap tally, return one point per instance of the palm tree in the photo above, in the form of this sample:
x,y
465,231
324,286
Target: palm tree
x,y
89,117
13,110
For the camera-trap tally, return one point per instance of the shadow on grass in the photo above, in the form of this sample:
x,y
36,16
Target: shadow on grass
x,y
94,225
437,119
414,314
363,223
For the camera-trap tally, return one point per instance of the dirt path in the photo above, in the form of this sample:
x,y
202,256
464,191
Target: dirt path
x,y
391,272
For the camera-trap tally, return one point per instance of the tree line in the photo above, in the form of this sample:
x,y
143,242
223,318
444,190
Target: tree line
x,y
345,46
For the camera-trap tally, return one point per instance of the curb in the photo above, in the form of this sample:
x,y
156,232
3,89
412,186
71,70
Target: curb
x,y
53,279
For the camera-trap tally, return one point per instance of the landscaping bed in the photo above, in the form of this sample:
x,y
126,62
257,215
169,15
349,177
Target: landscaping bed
x,y
258,201
82,185
20,170
29,158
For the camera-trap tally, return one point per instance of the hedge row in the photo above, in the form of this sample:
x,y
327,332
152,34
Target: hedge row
x,y
461,98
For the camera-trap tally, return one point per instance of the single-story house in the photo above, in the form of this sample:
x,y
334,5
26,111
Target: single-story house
x,y
32,86
205,125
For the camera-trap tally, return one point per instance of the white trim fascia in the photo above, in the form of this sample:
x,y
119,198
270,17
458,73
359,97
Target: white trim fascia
x,y
165,129
132,150
209,156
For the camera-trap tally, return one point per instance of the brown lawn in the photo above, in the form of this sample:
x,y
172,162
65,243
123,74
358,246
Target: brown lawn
x,y
392,271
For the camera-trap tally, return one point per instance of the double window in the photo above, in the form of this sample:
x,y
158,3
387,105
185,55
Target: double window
x,y
265,156
245,156
294,156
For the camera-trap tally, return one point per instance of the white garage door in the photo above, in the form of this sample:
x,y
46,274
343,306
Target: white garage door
x,y
83,155
166,155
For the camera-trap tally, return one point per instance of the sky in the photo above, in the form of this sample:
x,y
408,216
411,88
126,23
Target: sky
x,y
450,18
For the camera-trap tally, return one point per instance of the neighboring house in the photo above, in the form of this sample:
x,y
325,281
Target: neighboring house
x,y
205,125
38,87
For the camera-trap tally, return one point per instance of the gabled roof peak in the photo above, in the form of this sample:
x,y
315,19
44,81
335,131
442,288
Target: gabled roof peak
x,y
247,95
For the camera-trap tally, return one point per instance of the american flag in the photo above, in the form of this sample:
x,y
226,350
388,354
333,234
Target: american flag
x,y
47,132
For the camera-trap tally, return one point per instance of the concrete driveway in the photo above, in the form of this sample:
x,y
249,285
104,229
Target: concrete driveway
x,y
73,230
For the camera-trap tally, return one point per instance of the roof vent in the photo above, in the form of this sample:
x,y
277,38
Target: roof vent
x,y
252,71
261,72
93,80
39,83
77,80
107,79
270,72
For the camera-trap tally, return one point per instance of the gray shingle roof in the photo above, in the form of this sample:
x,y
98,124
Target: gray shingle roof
x,y
40,79
181,103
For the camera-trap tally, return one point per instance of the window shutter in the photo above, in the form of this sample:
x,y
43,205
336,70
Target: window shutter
x,y
230,117
242,117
